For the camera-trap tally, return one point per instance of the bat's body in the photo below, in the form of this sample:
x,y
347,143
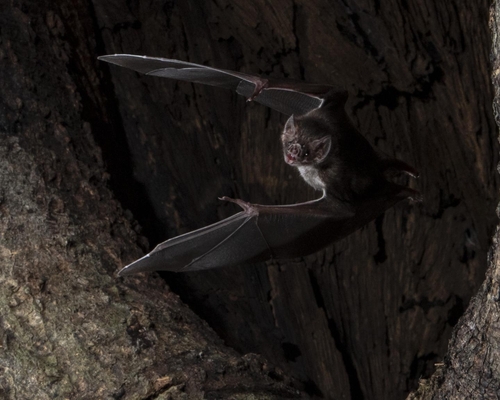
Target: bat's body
x,y
320,141
331,155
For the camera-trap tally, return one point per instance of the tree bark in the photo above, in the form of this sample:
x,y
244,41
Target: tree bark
x,y
68,327
471,368
363,319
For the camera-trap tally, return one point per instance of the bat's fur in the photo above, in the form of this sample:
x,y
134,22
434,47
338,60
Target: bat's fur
x,y
331,155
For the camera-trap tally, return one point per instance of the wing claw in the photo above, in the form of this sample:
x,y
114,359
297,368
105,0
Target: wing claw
x,y
247,207
260,85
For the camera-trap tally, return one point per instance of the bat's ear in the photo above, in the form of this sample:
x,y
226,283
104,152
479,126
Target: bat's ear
x,y
321,148
290,124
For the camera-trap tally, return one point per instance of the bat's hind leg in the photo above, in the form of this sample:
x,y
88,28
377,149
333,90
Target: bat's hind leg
x,y
412,194
399,166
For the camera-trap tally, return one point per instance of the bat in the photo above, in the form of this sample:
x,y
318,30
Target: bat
x,y
319,140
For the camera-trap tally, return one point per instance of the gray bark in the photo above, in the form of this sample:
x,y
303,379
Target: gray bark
x,y
68,327
471,368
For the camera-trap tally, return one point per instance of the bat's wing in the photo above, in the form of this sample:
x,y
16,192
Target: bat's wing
x,y
259,233
255,234
286,96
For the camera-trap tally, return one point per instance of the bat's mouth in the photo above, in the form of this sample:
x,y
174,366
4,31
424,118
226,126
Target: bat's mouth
x,y
290,159
293,153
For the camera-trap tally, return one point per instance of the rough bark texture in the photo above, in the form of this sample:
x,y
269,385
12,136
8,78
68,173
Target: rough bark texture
x,y
68,328
471,368
363,319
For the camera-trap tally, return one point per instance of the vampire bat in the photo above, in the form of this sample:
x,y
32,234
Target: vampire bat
x,y
319,140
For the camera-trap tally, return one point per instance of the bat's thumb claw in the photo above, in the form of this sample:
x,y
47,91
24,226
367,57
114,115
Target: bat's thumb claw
x,y
243,204
259,87
254,95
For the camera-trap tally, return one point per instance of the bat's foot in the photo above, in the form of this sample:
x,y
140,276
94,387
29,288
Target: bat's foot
x,y
413,195
400,166
412,172
259,87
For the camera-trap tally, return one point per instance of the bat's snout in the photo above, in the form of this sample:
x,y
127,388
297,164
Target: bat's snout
x,y
289,159
293,152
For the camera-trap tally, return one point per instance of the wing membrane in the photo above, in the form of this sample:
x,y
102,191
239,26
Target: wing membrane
x,y
286,96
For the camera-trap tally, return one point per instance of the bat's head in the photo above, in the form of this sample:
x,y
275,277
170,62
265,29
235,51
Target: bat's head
x,y
301,143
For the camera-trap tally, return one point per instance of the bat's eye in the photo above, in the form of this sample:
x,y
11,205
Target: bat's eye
x,y
306,153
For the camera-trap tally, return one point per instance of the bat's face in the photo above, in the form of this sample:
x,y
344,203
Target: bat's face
x,y
296,152
300,147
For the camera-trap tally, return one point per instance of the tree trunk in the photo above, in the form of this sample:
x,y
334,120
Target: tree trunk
x,y
363,319
471,368
69,329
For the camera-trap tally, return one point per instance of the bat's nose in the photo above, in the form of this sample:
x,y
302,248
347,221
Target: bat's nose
x,y
293,153
295,149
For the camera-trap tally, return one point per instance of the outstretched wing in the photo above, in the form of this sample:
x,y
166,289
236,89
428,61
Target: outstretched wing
x,y
259,233
286,96
228,242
